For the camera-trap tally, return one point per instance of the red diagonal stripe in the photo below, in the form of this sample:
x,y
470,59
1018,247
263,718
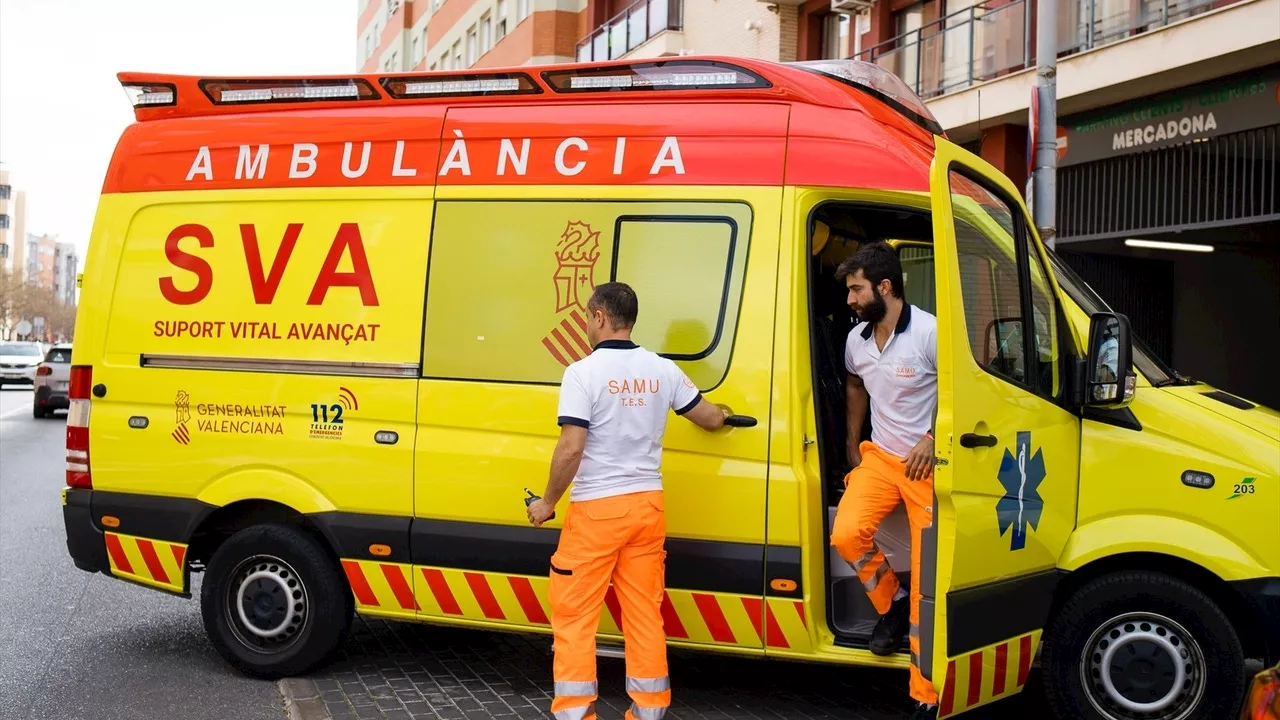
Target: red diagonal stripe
x,y
800,609
586,348
947,704
117,554
359,585
773,631
440,589
671,620
179,554
754,611
1002,662
1024,659
615,609
148,552
528,600
400,586
565,344
578,319
484,595
551,347
975,678
714,618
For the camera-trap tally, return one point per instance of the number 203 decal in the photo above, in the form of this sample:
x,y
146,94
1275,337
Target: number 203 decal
x,y
1245,487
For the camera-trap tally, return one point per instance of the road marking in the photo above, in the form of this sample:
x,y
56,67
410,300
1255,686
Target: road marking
x,y
17,411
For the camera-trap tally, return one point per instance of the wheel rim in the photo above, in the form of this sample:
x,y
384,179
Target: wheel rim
x,y
1143,666
266,604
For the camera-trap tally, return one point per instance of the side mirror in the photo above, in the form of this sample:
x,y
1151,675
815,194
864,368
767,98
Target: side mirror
x,y
1109,378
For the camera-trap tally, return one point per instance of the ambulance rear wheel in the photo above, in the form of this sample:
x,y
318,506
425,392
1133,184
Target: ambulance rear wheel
x,y
274,604
1139,645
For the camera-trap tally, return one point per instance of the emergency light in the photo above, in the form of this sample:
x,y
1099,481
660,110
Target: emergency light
x,y
248,92
459,85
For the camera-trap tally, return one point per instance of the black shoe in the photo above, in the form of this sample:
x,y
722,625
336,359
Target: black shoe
x,y
887,637
925,712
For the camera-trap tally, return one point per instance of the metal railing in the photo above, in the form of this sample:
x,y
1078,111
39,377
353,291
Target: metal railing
x,y
986,40
630,29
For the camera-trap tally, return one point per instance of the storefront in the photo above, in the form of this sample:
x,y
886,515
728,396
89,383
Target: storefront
x,y
1170,207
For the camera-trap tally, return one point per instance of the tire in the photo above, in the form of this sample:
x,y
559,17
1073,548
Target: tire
x,y
290,639
38,412
1144,618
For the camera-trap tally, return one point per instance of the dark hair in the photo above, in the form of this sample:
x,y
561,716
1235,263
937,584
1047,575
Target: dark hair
x,y
878,262
618,301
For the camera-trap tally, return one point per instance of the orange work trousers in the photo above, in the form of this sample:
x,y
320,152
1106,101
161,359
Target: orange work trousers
x,y
872,491
620,540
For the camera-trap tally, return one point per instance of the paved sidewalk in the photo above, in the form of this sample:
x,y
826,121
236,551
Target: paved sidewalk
x,y
407,671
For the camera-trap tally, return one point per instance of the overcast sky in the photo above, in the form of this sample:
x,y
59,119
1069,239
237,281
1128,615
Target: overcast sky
x,y
62,109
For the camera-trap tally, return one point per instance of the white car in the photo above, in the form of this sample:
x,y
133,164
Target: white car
x,y
52,378
18,362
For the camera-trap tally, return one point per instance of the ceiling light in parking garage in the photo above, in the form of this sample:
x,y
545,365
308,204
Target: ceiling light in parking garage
x,y
1158,245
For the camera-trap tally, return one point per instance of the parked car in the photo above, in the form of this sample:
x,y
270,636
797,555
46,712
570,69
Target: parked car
x,y
1263,700
18,362
51,381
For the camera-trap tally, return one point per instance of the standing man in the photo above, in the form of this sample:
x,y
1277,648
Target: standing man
x,y
612,416
892,364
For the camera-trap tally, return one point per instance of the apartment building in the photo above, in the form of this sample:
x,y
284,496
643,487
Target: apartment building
x,y
13,225
66,266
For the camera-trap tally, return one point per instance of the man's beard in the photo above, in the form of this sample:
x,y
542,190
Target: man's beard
x,y
874,312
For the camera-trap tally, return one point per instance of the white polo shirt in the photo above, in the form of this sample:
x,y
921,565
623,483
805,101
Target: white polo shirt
x,y
622,394
902,380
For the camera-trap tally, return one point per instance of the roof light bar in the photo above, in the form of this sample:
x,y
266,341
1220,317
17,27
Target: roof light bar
x,y
472,85
659,75
249,92
151,94
878,82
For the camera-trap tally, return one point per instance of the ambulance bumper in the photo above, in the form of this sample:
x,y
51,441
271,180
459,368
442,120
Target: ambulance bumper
x,y
85,543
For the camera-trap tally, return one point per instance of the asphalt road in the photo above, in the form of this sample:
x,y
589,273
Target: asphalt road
x,y
76,645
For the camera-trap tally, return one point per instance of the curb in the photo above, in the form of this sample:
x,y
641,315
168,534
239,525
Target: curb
x,y
302,700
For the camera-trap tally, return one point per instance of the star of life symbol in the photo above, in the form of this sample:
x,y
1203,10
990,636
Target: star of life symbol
x,y
1021,477
576,254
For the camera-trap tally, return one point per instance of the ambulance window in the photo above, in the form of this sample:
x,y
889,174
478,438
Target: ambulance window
x,y
508,283
989,242
684,270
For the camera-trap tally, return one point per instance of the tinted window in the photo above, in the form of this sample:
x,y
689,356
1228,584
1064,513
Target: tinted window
x,y
58,355
21,349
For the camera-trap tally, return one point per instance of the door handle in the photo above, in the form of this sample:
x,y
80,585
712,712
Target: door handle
x,y
740,421
970,440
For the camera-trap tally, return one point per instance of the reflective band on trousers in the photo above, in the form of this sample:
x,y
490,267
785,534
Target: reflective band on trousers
x,y
577,713
915,631
646,713
648,685
875,579
862,561
576,689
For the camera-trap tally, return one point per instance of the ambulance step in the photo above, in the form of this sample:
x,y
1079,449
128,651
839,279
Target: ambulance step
x,y
609,651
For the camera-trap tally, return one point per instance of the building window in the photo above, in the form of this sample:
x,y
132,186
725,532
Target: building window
x,y
433,67
502,21
4,191
4,248
417,51
486,34
457,54
527,329
836,33
471,46
523,8
4,222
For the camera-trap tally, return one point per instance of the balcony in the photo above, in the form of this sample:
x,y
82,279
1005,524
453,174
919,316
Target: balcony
x,y
989,40
630,29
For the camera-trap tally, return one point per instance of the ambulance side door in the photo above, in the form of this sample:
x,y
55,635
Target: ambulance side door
x,y
1008,447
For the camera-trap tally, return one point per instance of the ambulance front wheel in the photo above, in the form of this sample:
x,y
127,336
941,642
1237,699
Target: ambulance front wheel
x,y
1139,645
274,602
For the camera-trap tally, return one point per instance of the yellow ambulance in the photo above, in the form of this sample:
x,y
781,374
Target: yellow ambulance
x,y
323,321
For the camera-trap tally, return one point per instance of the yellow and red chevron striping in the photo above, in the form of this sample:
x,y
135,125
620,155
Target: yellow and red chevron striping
x,y
986,675
156,563
696,617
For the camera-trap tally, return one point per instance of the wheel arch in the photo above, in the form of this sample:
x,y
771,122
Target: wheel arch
x,y
1234,606
229,519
